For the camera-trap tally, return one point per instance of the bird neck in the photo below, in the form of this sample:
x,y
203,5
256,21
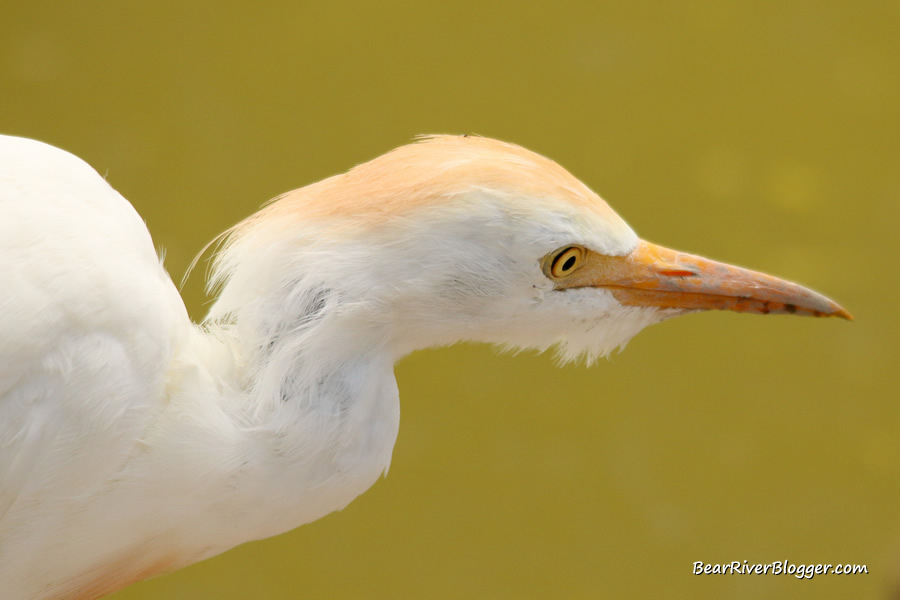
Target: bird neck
x,y
305,416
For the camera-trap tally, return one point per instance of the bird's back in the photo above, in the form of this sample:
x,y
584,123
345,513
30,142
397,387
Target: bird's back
x,y
88,321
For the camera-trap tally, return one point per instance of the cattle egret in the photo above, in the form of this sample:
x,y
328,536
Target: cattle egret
x,y
134,442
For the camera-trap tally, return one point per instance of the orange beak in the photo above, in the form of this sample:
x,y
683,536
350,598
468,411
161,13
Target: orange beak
x,y
655,276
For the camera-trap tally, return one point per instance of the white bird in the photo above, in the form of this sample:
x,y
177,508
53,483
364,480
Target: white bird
x,y
134,442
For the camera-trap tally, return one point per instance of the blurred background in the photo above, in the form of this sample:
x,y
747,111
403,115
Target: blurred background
x,y
765,134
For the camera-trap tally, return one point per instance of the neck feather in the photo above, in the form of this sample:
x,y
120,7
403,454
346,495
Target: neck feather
x,y
297,419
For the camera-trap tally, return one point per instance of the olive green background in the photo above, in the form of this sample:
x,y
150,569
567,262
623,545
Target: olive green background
x,y
761,133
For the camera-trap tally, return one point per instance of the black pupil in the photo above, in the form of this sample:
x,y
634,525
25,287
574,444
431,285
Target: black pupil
x,y
570,262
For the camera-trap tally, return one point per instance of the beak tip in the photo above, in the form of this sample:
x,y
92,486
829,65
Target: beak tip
x,y
840,312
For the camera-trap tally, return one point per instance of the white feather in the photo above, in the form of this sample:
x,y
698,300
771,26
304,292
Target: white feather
x,y
133,442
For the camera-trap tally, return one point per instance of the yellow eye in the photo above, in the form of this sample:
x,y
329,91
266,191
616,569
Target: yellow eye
x,y
566,261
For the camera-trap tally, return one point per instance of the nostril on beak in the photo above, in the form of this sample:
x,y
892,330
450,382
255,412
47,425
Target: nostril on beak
x,y
678,272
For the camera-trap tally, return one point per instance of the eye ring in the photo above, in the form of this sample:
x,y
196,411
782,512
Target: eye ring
x,y
566,262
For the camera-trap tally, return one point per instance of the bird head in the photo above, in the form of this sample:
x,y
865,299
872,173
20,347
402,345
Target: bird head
x,y
467,238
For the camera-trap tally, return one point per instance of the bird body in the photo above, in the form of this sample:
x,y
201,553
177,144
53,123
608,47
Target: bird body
x,y
90,323
134,442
